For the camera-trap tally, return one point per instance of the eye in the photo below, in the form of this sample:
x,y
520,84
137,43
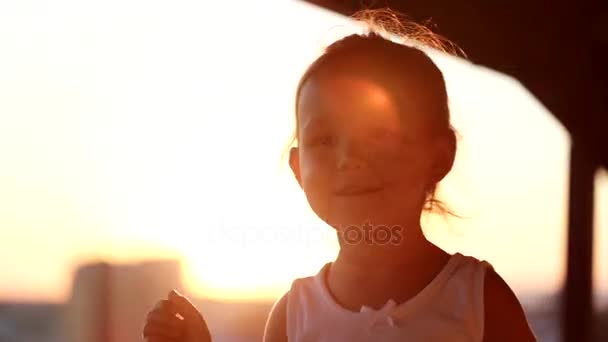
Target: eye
x,y
384,134
319,140
323,140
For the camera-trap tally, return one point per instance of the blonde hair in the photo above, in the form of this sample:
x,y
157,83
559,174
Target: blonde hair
x,y
398,28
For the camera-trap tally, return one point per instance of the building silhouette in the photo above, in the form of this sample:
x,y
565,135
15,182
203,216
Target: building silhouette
x,y
109,303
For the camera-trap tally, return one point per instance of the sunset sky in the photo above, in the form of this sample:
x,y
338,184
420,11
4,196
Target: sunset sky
x,y
132,130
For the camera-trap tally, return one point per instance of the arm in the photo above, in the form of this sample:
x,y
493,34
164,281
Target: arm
x,y
504,316
276,326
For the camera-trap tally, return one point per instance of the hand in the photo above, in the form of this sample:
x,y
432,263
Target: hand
x,y
175,319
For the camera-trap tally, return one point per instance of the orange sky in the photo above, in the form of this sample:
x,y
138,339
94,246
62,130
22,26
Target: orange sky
x,y
121,123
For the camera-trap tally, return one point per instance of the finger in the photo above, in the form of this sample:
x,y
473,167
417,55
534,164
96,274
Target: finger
x,y
161,312
192,317
183,305
158,339
167,306
164,319
160,331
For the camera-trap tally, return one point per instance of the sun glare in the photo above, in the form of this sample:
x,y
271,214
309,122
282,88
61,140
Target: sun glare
x,y
143,131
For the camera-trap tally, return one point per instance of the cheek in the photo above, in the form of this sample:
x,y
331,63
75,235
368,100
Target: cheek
x,y
315,175
312,170
407,169
316,183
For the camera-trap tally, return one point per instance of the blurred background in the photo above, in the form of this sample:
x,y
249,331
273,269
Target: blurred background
x,y
140,151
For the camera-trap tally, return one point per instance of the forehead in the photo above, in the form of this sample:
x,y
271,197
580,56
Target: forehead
x,y
369,97
346,96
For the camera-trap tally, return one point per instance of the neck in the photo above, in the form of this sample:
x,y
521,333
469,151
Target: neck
x,y
405,245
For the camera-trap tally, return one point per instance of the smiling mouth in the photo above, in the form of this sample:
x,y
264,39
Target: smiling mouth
x,y
357,191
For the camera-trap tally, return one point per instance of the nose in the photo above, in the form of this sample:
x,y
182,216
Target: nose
x,y
349,155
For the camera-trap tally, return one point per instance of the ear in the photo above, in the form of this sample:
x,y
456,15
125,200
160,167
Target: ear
x,y
446,152
294,163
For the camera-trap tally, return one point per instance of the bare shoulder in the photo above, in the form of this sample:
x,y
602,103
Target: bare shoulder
x,y
276,325
505,319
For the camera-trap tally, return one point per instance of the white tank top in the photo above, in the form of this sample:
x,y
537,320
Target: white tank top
x,y
449,308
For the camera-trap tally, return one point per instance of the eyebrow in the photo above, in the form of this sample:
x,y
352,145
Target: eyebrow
x,y
313,120
318,117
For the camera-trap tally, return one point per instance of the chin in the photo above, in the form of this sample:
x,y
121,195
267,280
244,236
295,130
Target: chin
x,y
341,213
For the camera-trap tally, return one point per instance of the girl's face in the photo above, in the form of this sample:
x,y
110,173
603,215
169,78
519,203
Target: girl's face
x,y
361,156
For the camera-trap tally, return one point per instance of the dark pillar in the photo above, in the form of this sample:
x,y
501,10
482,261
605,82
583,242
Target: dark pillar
x,y
577,298
103,325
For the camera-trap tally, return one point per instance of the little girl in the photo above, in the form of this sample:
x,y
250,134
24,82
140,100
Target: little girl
x,y
373,141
